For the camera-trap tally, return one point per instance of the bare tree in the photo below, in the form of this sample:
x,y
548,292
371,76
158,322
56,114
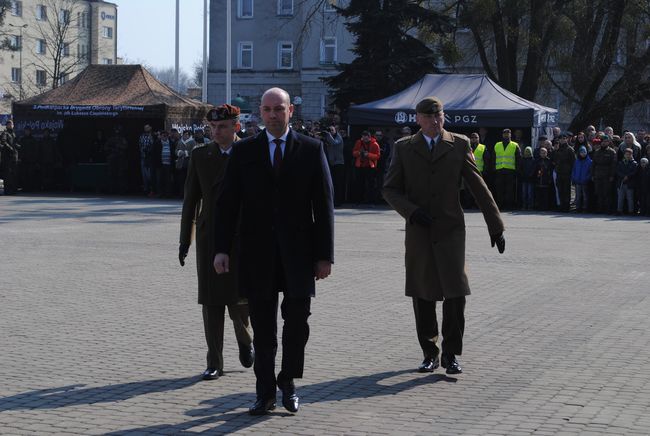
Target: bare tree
x,y
168,77
57,31
5,5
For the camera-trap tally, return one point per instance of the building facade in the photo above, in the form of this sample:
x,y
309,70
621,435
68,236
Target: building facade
x,y
51,41
288,43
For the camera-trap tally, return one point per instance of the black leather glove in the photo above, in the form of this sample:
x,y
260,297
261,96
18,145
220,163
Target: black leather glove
x,y
421,217
499,241
182,253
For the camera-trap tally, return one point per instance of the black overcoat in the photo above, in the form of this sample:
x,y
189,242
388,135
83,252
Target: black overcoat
x,y
285,220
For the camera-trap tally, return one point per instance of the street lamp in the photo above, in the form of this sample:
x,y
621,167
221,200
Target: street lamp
x,y
20,56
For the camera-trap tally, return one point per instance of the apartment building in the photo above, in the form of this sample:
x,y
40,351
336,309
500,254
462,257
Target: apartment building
x,y
51,41
286,43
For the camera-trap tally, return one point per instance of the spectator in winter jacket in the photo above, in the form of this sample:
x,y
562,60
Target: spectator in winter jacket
x,y
580,177
643,186
563,159
625,178
527,174
543,180
604,171
366,153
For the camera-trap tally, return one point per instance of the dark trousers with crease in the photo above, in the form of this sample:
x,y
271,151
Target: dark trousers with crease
x,y
213,325
453,326
295,333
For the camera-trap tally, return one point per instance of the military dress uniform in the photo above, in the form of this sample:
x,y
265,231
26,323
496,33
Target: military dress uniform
x,y
205,174
424,177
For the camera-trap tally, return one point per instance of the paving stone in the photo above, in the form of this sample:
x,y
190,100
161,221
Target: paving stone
x,y
92,298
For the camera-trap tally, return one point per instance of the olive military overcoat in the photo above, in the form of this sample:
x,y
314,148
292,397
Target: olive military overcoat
x,y
418,178
205,173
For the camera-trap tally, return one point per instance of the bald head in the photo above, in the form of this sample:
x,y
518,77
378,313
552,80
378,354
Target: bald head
x,y
276,110
277,93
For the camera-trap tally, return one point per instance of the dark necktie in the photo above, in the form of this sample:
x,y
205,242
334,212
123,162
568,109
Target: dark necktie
x,y
433,146
277,156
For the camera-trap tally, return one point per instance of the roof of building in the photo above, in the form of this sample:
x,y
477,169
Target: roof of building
x,y
113,85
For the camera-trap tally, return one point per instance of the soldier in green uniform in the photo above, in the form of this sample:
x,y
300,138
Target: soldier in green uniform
x,y
202,187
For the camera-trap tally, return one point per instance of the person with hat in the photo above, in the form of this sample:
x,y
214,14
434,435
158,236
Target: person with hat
x,y
203,184
422,185
507,156
603,171
563,159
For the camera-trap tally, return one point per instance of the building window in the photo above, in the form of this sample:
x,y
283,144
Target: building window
x,y
66,49
330,6
63,78
107,61
285,7
285,55
245,55
82,51
41,46
107,32
17,8
41,12
16,75
245,9
41,77
16,42
82,20
328,50
64,16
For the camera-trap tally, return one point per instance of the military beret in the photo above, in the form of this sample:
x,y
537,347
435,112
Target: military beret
x,y
223,112
429,105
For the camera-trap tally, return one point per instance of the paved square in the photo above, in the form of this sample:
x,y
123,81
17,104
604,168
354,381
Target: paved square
x,y
100,331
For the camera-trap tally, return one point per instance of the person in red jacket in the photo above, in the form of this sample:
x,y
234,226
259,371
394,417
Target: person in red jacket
x,y
366,155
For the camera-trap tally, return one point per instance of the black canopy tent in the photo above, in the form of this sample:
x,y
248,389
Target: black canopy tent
x,y
97,100
470,101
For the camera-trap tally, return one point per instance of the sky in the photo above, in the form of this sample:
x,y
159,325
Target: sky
x,y
146,32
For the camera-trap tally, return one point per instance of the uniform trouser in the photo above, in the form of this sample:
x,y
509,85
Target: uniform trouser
x,y
453,325
505,183
295,333
603,190
213,320
564,190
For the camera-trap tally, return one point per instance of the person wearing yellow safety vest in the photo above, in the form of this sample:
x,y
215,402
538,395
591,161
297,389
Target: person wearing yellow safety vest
x,y
479,151
507,158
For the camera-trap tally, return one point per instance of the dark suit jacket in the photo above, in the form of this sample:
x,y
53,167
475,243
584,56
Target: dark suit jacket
x,y
286,221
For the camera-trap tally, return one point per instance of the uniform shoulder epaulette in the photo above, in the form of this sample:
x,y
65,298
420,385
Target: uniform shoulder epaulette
x,y
460,136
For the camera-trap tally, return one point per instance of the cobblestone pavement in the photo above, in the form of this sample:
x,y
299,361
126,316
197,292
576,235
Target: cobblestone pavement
x,y
100,331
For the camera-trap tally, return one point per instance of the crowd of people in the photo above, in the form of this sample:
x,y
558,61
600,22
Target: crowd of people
x,y
591,171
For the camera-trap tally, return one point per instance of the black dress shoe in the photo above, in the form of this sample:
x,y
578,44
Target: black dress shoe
x,y
246,355
449,361
262,407
429,364
290,400
211,374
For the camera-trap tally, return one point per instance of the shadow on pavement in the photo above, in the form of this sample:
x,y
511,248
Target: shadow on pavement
x,y
221,415
73,395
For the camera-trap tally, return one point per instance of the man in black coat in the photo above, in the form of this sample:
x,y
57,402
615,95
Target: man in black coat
x,y
278,184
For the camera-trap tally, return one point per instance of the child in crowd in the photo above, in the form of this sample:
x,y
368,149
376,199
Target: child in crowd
x,y
580,177
527,179
543,180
